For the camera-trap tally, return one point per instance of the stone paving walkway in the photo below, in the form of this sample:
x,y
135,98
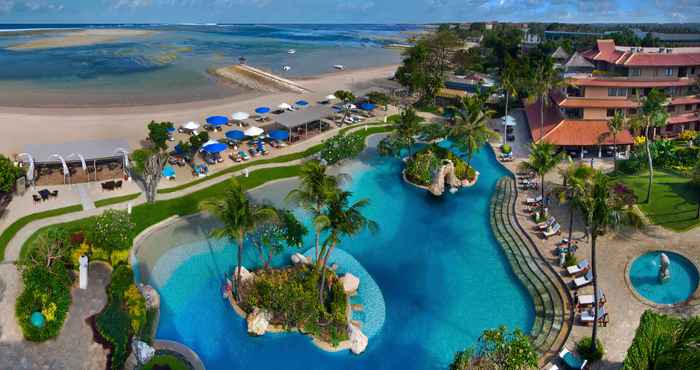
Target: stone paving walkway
x,y
74,348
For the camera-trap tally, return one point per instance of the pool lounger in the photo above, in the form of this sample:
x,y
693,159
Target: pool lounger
x,y
581,268
533,200
584,280
571,360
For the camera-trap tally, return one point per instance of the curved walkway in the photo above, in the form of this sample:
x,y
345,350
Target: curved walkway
x,y
553,304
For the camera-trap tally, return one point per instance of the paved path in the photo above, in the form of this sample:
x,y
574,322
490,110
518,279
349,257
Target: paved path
x,y
74,348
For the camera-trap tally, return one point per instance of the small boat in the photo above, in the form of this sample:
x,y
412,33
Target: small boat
x,y
291,51
286,68
339,67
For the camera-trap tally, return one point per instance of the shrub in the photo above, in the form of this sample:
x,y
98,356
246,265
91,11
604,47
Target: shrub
x,y
630,166
570,260
112,230
419,169
687,156
583,347
341,147
46,291
688,135
506,149
9,173
82,250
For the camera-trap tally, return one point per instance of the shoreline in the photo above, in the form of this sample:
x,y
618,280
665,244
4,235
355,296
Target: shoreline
x,y
80,37
58,125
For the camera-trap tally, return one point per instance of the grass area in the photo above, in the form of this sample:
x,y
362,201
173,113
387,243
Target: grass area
x,y
674,200
115,200
165,362
14,228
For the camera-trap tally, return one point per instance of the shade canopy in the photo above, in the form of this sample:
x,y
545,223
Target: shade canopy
x,y
210,142
191,125
330,97
262,110
77,151
509,121
279,135
254,131
301,103
217,120
171,129
284,106
168,171
367,106
240,116
215,148
235,135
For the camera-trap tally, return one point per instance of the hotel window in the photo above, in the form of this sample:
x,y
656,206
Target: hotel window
x,y
668,72
635,72
671,109
614,91
688,107
610,112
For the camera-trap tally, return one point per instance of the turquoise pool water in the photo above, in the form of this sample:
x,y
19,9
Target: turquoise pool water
x,y
644,275
442,275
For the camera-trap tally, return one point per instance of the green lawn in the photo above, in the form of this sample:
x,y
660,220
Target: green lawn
x,y
172,362
115,200
674,200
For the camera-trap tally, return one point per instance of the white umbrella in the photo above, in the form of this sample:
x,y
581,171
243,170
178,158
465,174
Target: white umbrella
x,y
509,121
284,106
210,142
253,131
191,126
331,97
240,116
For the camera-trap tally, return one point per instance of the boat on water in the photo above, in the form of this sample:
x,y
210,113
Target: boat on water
x,y
286,68
339,67
291,51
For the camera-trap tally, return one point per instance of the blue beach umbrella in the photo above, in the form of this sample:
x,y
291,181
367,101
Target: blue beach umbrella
x,y
215,148
367,106
179,150
217,120
168,171
301,103
235,135
262,110
171,129
279,135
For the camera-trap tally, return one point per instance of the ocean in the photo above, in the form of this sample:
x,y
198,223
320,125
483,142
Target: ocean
x,y
171,65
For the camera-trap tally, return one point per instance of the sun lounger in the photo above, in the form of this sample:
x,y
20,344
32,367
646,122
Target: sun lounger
x,y
551,231
579,269
533,200
571,360
553,367
587,317
583,280
545,225
587,299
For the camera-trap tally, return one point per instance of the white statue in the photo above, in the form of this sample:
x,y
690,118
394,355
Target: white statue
x,y
83,272
142,351
664,271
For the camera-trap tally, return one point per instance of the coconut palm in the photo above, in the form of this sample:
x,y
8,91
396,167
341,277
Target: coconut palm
x,y
652,116
543,158
470,131
405,130
345,219
509,76
314,191
615,125
347,97
603,209
545,79
574,177
240,217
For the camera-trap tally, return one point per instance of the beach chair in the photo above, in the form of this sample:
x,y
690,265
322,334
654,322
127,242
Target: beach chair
x,y
551,231
545,225
583,280
243,155
581,268
571,361
587,317
535,200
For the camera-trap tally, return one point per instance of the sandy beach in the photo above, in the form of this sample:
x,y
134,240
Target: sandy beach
x,y
79,38
56,125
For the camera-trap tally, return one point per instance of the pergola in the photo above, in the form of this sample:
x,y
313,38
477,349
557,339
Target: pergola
x,y
303,118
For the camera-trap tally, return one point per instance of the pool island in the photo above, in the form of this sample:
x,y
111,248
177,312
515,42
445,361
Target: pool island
x,y
435,166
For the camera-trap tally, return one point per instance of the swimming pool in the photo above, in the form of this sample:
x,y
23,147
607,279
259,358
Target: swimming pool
x,y
442,275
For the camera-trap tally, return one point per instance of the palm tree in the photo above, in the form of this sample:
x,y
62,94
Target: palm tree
x,y
546,79
615,125
603,209
407,127
652,115
240,217
574,178
543,158
345,219
470,131
508,79
313,194
347,97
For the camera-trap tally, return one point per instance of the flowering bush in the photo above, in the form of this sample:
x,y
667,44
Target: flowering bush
x,y
111,231
639,140
136,306
341,147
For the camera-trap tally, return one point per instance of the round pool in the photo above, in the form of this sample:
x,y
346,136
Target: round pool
x,y
644,278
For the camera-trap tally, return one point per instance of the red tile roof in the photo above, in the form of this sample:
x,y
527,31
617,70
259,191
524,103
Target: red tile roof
x,y
552,117
607,52
685,100
662,60
613,82
586,133
684,118
598,103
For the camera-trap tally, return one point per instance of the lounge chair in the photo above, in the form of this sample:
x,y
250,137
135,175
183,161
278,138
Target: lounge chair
x,y
587,299
54,193
552,230
533,200
583,280
36,198
571,361
118,184
545,225
587,317
553,367
581,268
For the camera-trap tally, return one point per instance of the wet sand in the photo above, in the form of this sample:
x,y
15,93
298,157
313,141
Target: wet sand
x,y
64,39
56,125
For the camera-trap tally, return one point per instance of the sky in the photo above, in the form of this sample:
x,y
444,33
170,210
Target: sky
x,y
346,11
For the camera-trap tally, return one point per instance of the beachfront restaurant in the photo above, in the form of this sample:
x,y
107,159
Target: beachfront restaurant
x,y
75,162
306,122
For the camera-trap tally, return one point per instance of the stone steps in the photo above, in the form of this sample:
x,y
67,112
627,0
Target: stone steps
x,y
551,301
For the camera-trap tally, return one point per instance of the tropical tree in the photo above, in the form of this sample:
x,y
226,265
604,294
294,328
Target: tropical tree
x,y
575,176
545,79
150,160
498,349
508,79
9,173
652,115
603,208
240,217
470,131
347,97
615,125
379,98
345,219
404,134
543,158
313,194
273,235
